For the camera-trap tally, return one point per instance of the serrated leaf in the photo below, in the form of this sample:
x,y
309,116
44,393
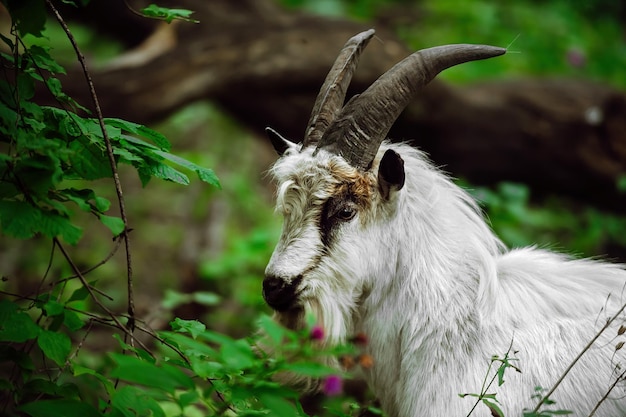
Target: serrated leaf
x,y
53,224
41,56
205,174
138,371
89,162
193,327
19,219
59,408
54,345
168,14
168,173
115,224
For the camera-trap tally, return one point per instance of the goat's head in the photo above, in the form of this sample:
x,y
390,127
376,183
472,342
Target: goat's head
x,y
337,188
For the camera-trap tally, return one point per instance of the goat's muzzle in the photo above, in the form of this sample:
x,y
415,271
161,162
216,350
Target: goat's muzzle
x,y
281,294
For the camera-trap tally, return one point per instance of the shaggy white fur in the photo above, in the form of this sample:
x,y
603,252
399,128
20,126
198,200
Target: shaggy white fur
x,y
437,293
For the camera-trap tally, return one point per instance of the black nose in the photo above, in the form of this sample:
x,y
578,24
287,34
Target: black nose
x,y
279,293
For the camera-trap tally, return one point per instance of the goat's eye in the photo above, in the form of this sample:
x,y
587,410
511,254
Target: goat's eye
x,y
346,213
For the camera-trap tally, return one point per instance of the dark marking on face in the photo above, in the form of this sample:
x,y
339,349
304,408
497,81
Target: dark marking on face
x,y
338,209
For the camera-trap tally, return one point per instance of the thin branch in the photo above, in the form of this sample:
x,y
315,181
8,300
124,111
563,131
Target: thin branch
x,y
93,296
116,178
571,365
606,395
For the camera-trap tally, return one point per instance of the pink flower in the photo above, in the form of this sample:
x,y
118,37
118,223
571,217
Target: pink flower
x,y
317,333
333,385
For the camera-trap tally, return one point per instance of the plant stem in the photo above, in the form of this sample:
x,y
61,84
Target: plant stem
x,y
571,365
116,179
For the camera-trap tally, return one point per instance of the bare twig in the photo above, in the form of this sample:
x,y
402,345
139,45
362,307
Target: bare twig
x,y
577,358
606,395
116,179
119,324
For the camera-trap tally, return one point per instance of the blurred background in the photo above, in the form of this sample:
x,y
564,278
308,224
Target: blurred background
x,y
538,136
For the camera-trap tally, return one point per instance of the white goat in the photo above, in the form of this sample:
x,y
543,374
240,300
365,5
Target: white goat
x,y
377,240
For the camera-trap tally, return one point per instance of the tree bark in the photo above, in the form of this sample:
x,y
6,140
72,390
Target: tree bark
x,y
265,64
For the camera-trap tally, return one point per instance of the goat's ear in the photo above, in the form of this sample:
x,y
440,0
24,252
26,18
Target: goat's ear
x,y
390,173
280,143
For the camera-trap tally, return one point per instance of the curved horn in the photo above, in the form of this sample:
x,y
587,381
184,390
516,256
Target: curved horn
x,y
330,99
364,122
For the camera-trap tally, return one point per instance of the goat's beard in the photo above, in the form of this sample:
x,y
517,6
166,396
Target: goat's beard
x,y
336,322
330,313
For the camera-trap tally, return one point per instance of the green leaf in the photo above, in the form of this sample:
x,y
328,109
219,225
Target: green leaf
x,y
81,370
80,294
53,308
133,402
190,346
115,224
205,174
53,224
168,173
44,386
205,298
140,353
16,326
59,408
29,15
140,130
135,370
311,369
274,330
194,327
237,354
41,56
495,409
25,87
89,161
72,321
278,405
54,345
168,15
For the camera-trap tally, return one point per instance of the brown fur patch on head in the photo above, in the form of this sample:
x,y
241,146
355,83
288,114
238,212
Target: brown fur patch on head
x,y
353,182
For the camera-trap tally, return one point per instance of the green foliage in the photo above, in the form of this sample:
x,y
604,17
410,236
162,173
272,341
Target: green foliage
x,y
168,15
570,38
520,222
489,399
545,412
47,155
45,149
